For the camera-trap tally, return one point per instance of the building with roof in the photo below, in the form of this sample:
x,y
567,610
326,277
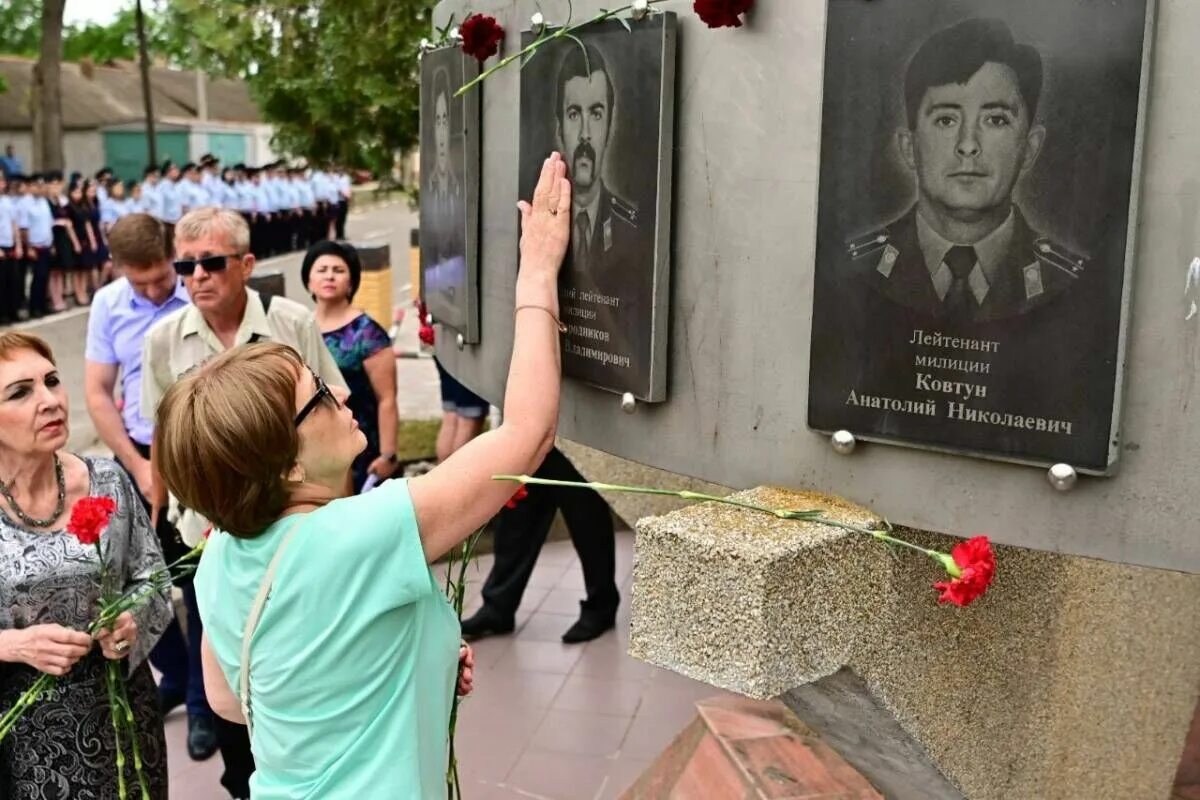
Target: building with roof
x,y
104,120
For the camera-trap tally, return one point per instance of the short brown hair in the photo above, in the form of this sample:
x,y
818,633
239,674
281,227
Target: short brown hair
x,y
137,240
225,438
13,342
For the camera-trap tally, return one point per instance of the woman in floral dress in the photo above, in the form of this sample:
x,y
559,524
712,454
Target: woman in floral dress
x,y
363,351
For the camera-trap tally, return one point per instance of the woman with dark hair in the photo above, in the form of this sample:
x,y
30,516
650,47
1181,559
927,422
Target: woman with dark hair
x,y
102,270
81,221
363,352
67,247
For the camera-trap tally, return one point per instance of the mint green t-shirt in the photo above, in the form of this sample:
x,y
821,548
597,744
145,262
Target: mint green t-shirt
x,y
355,657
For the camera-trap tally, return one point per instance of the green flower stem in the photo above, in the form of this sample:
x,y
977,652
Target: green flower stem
x,y
813,515
131,726
456,592
542,38
25,702
122,792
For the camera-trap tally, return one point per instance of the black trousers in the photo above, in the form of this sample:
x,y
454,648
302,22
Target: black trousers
x,y
39,262
12,284
521,532
260,236
343,210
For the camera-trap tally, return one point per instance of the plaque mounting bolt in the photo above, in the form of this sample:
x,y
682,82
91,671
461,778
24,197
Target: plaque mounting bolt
x,y
843,442
460,341
628,403
1062,477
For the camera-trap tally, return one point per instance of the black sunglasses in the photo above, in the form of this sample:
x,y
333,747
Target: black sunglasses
x,y
323,393
186,266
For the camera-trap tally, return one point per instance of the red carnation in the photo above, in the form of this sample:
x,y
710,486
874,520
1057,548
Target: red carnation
x,y
722,13
517,497
89,518
425,334
481,36
977,565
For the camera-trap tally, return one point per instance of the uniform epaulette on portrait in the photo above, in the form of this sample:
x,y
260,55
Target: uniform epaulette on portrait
x,y
867,244
624,211
876,243
1053,254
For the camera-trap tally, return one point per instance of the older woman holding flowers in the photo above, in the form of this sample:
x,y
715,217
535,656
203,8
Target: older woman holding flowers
x,y
64,745
325,630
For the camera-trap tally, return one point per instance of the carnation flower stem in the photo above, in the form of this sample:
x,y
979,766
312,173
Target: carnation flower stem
x,y
122,792
456,592
812,515
542,38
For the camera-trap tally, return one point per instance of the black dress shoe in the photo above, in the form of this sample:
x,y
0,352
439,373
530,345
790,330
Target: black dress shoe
x,y
169,701
590,625
487,622
202,737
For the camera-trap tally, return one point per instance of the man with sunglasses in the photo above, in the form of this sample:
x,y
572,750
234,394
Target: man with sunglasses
x,y
212,255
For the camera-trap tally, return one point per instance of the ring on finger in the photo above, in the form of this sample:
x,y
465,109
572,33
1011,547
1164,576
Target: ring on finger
x,y
121,647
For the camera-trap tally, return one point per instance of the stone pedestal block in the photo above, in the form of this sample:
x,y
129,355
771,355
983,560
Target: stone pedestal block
x,y
1071,678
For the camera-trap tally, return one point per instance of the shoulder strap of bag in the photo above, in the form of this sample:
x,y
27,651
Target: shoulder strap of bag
x,y
260,602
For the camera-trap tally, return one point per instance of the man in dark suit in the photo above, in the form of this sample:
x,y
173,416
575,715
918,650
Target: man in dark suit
x,y
964,251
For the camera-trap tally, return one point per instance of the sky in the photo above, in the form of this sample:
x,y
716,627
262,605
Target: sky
x,y
98,11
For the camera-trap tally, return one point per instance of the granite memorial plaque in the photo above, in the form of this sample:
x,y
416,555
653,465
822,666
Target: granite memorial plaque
x,y
607,103
449,203
976,214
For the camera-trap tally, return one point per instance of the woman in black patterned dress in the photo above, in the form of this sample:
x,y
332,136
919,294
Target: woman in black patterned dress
x,y
63,747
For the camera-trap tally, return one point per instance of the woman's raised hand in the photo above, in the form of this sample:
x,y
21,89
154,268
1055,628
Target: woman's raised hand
x,y
546,221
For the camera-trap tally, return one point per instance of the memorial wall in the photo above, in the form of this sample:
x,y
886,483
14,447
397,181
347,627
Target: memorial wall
x,y
770,257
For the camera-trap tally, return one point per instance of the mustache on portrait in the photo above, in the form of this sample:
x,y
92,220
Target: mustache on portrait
x,y
584,150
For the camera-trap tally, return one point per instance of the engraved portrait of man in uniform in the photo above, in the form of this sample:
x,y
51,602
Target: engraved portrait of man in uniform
x,y
975,225
606,103
448,199
965,250
603,226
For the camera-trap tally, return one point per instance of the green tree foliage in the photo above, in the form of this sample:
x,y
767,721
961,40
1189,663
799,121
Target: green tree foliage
x,y
338,78
20,27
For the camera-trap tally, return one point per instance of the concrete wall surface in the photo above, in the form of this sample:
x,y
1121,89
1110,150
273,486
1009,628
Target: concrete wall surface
x,y
1070,678
748,115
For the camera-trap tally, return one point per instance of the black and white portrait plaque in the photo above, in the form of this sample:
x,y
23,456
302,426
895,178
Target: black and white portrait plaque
x,y
606,103
979,172
449,203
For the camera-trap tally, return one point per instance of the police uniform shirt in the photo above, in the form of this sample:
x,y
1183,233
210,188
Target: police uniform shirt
x,y
244,191
172,202
39,221
110,210
194,195
8,222
261,198
343,185
152,200
308,199
320,186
